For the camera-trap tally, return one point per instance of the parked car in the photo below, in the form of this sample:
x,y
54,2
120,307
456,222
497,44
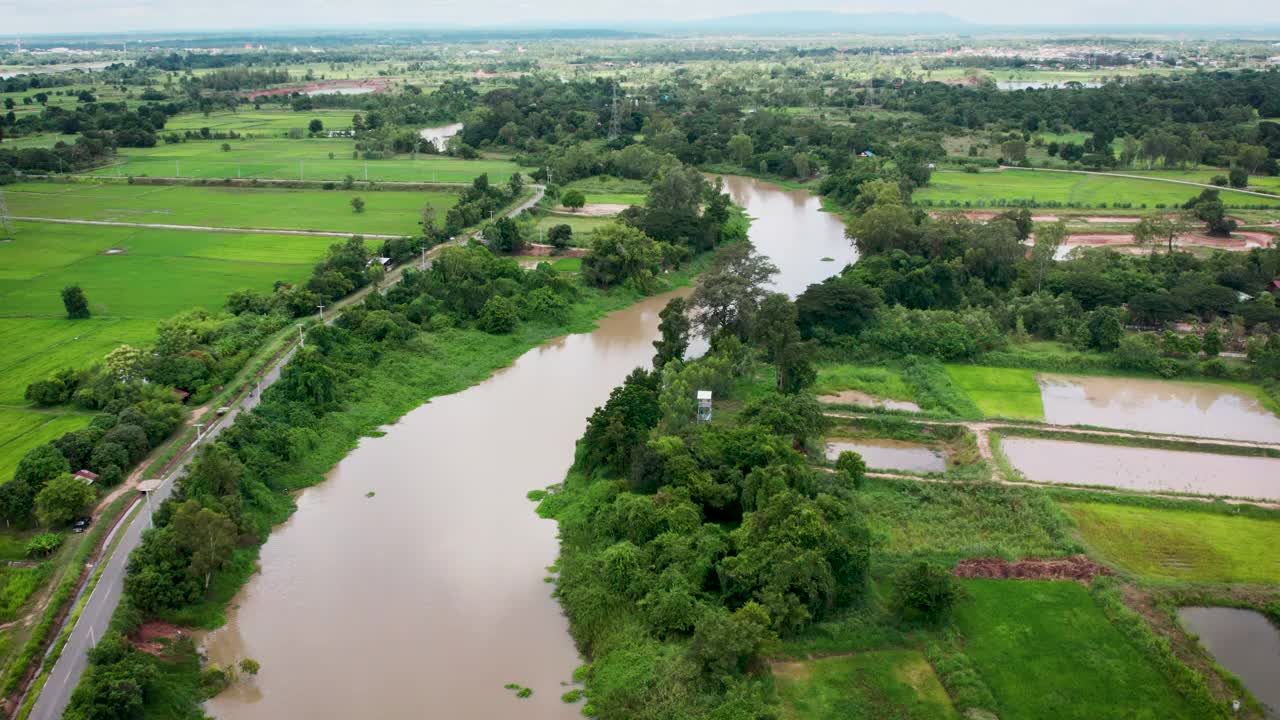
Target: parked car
x,y
81,525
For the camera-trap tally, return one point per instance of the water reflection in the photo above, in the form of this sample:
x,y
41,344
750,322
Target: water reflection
x,y
891,454
1157,406
1244,642
1143,469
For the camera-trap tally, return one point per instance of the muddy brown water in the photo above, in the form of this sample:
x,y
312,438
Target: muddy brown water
x,y
1157,406
439,136
425,599
1143,469
1245,643
890,454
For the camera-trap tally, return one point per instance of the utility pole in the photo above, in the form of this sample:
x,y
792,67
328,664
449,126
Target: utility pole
x,y
199,431
424,258
302,339
321,312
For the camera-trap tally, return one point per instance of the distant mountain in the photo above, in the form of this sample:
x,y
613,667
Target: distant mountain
x,y
818,21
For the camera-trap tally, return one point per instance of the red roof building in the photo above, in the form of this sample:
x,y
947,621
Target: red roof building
x,y
87,477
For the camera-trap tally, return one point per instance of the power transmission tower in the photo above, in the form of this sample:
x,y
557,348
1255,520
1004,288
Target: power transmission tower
x,y
6,223
615,119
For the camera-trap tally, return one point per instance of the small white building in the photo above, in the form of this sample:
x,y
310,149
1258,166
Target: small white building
x,y
704,406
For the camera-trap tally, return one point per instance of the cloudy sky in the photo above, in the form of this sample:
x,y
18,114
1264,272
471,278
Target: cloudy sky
x,y
54,16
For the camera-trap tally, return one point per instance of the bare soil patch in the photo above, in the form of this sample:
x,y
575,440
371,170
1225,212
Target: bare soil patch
x,y
594,210
1075,567
540,250
148,638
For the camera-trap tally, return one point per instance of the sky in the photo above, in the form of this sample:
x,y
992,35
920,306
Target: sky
x,y
61,16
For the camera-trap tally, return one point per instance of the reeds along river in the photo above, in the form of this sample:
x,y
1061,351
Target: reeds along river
x,y
424,600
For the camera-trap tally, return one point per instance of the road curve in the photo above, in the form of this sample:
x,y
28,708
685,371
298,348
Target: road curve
x,y
102,602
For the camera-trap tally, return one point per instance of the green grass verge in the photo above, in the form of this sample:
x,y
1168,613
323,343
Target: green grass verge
x,y
385,213
1000,392
1183,545
1046,647
1065,188
283,159
896,684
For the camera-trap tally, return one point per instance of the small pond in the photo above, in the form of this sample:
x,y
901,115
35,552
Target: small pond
x,y
440,135
1157,406
1143,469
1245,643
1040,85
362,90
891,454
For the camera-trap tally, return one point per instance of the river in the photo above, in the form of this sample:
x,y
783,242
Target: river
x,y
425,599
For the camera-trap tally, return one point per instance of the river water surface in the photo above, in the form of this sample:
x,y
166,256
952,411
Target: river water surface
x,y
425,599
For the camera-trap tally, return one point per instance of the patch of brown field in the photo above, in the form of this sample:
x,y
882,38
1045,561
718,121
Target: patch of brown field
x,y
149,636
1075,567
791,669
594,210
539,250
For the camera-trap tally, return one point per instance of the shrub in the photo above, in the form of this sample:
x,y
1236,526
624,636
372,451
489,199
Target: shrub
x,y
43,544
924,591
499,316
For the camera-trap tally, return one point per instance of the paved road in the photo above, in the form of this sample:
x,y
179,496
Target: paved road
x,y
102,602
106,594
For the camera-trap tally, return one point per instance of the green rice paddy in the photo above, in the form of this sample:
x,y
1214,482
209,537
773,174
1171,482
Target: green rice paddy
x,y
1061,187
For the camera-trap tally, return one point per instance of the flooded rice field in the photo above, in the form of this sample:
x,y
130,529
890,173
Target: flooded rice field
x,y
1157,406
429,596
1143,469
1245,643
891,454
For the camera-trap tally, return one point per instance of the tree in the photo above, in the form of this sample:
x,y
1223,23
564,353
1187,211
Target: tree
x,y
775,325
1238,177
64,499
852,467
836,305
1048,239
125,363
798,417
1208,208
1014,151
741,149
39,465
1212,342
1105,328
17,502
74,301
357,204
1159,229
316,126
208,535
924,591
560,236
731,291
677,189
499,316
573,199
503,235
620,254
307,377
673,327
1251,157
794,367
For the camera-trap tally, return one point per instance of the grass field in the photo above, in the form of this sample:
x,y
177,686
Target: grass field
x,y
1186,545
160,273
1061,187
306,159
22,429
949,522
581,224
1045,649
874,380
898,684
259,122
1266,183
386,213
1000,392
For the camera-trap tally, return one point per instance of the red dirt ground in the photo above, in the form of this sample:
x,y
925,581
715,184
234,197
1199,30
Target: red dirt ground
x,y
148,637
1075,567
